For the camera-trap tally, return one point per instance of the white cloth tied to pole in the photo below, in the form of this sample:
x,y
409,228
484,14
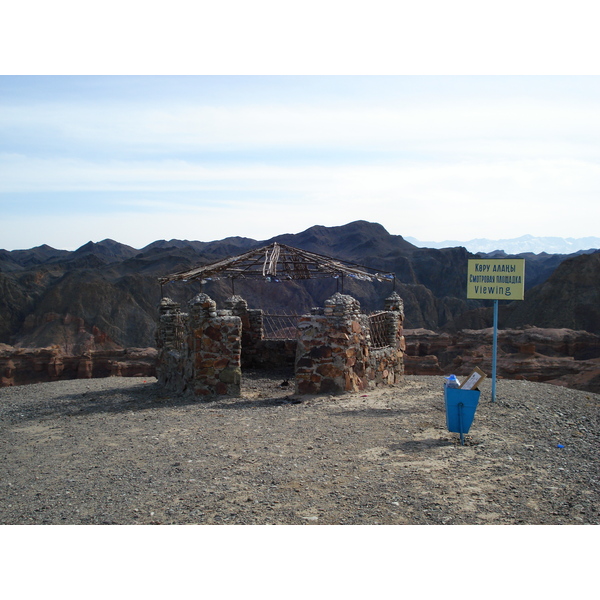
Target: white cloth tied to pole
x,y
270,265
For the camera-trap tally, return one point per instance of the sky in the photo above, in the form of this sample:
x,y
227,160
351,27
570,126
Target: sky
x,y
137,158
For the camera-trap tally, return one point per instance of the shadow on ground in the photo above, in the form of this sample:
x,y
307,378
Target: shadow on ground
x,y
413,446
143,397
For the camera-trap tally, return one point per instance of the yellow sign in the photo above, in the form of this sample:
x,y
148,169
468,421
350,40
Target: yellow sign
x,y
496,278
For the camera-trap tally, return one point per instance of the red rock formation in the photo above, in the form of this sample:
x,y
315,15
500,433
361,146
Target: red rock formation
x,y
20,366
558,356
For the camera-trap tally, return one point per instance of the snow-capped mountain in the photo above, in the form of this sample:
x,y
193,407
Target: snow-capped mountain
x,y
525,243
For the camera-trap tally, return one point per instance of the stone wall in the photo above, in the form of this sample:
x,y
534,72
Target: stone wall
x,y
201,352
335,354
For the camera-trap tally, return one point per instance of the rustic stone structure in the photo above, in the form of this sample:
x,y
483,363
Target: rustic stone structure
x,y
338,348
336,352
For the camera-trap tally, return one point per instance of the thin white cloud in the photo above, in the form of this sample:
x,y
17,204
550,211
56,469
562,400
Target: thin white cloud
x,y
427,166
551,178
459,201
184,127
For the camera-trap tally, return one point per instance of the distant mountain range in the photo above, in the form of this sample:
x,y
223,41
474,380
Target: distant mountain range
x,y
520,245
106,294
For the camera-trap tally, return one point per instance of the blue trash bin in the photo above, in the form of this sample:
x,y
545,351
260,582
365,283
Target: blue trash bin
x,y
460,409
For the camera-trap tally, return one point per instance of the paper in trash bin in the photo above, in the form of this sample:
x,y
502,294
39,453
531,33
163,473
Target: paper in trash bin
x,y
473,380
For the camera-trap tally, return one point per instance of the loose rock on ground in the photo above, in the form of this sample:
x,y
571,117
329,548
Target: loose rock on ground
x,y
124,451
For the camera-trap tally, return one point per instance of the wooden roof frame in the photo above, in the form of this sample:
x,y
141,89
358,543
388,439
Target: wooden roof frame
x,y
279,262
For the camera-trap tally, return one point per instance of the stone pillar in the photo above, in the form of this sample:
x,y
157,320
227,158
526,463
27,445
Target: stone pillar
x,y
395,305
169,330
332,351
256,325
252,320
237,305
215,349
394,302
172,369
252,327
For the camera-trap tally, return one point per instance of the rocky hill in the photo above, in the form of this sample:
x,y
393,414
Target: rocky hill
x,y
105,295
570,296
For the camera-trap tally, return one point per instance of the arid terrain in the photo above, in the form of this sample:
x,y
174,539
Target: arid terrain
x,y
122,451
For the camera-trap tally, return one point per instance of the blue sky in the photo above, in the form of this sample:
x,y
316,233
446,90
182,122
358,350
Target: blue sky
x,y
203,157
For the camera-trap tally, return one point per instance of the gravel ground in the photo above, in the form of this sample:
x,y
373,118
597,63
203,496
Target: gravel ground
x,y
123,451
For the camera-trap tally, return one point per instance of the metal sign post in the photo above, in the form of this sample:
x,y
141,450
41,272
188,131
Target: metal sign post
x,y
496,279
494,350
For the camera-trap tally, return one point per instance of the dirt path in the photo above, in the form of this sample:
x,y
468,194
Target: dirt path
x,y
122,451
